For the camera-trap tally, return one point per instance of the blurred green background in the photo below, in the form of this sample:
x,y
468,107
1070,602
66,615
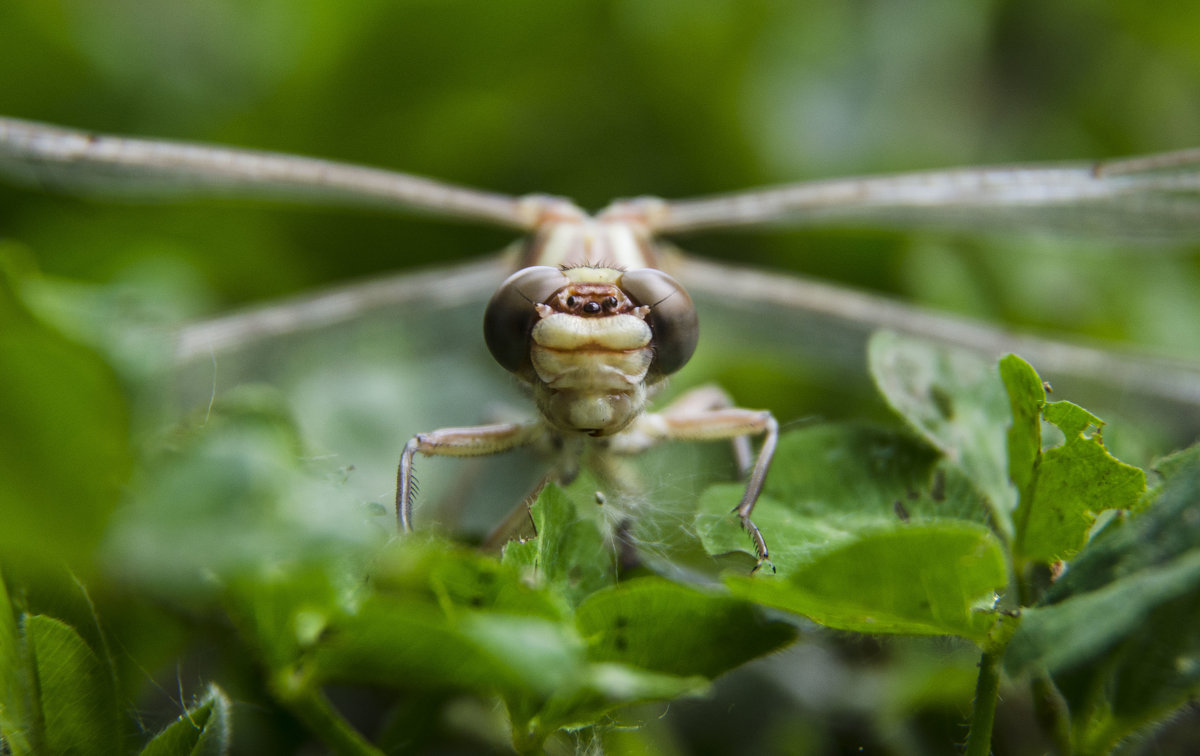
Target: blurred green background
x,y
596,100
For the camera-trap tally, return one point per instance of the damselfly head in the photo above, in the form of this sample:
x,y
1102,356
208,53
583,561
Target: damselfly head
x,y
591,340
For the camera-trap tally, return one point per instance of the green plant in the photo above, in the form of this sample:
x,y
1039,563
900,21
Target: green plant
x,y
220,542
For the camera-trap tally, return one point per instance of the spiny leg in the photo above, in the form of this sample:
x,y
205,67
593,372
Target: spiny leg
x,y
456,442
697,424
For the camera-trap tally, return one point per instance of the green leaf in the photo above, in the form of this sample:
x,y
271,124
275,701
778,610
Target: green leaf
x,y
64,441
205,729
442,616
572,551
16,715
602,688
1074,483
438,617
662,626
1118,629
1026,397
830,482
452,576
1071,419
421,591
539,666
1133,563
435,616
932,578
402,643
955,402
521,555
413,644
1073,631
1180,461
74,690
283,610
1061,489
853,515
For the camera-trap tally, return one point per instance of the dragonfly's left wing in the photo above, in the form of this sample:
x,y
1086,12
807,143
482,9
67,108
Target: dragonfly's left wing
x,y
80,161
829,326
1155,197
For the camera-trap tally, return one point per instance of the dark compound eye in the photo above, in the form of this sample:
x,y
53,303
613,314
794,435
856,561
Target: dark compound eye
x,y
571,302
610,303
592,308
510,315
672,317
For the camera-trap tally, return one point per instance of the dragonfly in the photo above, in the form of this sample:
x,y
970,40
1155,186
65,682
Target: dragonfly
x,y
594,316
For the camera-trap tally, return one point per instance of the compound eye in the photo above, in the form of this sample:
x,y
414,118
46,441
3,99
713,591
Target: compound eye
x,y
672,317
510,315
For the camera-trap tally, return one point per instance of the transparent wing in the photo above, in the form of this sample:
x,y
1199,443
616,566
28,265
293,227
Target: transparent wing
x,y
1156,198
826,327
67,159
313,313
363,367
819,327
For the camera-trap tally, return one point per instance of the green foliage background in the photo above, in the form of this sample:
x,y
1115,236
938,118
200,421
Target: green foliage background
x,y
592,100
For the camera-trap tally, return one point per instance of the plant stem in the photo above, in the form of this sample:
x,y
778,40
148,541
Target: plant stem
x,y
983,713
306,702
1051,712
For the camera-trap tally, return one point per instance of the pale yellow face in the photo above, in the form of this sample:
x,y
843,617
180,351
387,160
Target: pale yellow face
x,y
591,367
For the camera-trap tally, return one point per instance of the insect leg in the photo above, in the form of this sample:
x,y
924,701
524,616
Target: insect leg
x,y
474,441
712,397
717,424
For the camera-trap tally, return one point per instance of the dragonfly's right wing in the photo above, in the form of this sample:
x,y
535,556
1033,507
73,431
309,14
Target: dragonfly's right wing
x,y
80,161
361,368
390,296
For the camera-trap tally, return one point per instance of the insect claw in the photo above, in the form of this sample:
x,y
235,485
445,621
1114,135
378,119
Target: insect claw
x,y
759,564
760,544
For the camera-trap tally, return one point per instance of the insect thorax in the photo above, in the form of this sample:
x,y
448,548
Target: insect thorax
x,y
621,243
